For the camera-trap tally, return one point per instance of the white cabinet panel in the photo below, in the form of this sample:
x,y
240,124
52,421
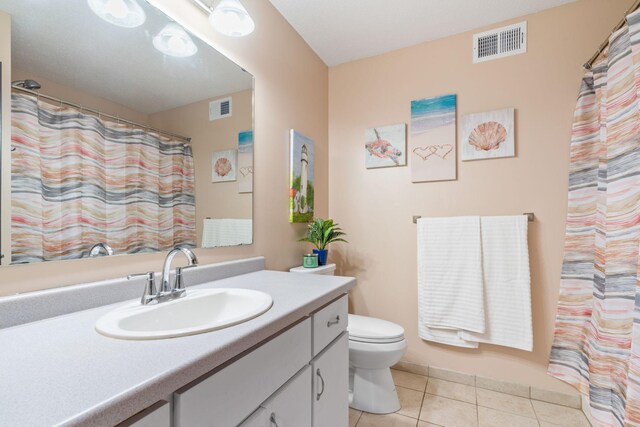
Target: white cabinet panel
x,y
328,323
158,415
291,405
259,418
331,385
226,398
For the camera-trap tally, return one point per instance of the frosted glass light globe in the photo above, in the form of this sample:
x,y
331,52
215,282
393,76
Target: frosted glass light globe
x,y
230,18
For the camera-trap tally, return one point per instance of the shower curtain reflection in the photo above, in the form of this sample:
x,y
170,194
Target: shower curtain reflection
x,y
78,180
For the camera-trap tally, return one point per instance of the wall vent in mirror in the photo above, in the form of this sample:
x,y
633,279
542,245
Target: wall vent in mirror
x,y
220,108
500,42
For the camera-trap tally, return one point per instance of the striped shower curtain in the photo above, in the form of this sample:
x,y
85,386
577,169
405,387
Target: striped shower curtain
x,y
597,337
78,180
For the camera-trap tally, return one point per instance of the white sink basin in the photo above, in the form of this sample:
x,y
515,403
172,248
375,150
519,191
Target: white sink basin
x,y
201,310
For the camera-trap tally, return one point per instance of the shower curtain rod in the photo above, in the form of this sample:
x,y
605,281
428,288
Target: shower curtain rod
x,y
100,114
589,63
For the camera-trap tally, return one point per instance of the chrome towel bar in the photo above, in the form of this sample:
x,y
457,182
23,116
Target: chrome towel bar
x,y
530,217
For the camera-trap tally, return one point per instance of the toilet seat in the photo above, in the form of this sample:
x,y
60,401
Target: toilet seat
x,y
374,331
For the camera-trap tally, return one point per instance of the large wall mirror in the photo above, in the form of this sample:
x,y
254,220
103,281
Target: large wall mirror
x,y
128,133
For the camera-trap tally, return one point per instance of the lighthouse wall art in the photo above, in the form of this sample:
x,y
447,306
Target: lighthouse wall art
x,y
301,178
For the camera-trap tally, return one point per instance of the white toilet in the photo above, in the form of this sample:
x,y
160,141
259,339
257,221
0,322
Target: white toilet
x,y
374,346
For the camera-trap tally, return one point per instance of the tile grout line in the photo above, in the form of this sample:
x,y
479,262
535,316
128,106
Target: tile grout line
x,y
536,413
535,416
358,420
475,394
424,393
456,399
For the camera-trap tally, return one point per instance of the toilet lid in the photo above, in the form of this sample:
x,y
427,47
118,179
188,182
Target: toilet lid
x,y
370,329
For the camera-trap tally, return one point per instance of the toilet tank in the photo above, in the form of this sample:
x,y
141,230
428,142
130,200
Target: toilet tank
x,y
328,269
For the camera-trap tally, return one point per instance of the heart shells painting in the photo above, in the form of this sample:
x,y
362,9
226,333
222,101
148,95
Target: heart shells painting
x,y
488,135
433,139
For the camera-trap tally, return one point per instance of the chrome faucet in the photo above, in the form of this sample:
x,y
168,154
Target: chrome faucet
x,y
177,289
166,291
98,248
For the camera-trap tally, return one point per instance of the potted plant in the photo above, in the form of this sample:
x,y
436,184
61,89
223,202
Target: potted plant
x,y
321,232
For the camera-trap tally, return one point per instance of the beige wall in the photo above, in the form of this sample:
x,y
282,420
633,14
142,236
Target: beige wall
x,y
291,91
376,206
220,199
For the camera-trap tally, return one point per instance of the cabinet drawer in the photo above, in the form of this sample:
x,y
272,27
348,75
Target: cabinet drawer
x,y
328,323
228,396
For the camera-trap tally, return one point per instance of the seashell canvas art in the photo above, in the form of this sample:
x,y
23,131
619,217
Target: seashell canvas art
x,y
385,146
224,166
432,146
488,135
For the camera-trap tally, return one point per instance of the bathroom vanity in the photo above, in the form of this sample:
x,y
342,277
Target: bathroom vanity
x,y
286,367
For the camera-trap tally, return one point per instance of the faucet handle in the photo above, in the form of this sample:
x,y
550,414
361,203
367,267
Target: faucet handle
x,y
150,292
179,288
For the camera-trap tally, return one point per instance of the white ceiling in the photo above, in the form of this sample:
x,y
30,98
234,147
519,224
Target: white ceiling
x,y
65,42
345,30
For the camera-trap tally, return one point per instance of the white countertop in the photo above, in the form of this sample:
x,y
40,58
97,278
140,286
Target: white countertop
x,y
61,371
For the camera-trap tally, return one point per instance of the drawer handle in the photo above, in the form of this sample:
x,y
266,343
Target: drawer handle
x,y
272,419
333,322
321,382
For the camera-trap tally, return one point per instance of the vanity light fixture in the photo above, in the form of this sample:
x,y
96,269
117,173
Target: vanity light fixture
x,y
123,13
230,18
173,40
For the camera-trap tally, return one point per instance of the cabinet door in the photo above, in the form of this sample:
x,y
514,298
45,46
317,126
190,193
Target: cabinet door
x,y
290,406
331,385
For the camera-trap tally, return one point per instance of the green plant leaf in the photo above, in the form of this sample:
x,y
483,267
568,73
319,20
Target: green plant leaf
x,y
321,232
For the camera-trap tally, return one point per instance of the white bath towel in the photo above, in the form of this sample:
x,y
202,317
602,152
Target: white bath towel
x,y
450,294
226,232
507,283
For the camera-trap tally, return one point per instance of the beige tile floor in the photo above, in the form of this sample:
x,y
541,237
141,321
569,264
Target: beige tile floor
x,y
430,402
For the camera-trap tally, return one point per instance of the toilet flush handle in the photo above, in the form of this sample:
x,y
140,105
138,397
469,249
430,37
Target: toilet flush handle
x,y
333,322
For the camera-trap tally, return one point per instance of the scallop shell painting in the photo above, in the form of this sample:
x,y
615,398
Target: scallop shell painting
x,y
488,135
224,166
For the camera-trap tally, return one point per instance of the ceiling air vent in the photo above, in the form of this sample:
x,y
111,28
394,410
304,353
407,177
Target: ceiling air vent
x,y
500,42
220,108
